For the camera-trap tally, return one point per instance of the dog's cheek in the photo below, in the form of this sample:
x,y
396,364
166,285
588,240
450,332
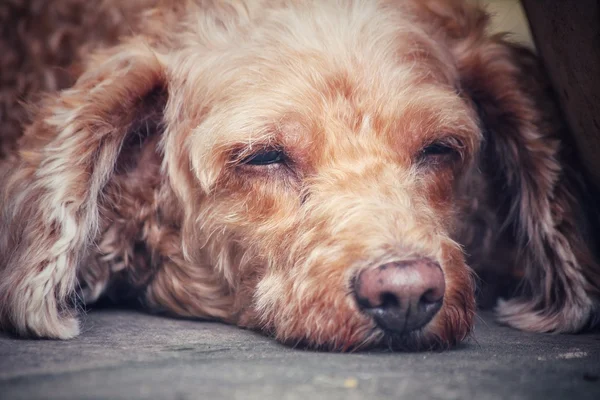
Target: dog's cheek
x,y
454,322
245,312
309,312
257,215
238,230
439,188
261,300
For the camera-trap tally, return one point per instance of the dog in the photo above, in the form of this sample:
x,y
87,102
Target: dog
x,y
327,172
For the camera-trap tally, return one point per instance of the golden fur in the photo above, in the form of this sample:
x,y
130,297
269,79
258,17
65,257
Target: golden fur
x,y
133,181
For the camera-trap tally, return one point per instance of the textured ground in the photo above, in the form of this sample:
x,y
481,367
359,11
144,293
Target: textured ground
x,y
127,355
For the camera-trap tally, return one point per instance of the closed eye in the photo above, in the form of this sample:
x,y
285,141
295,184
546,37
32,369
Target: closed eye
x,y
437,149
265,157
265,162
440,152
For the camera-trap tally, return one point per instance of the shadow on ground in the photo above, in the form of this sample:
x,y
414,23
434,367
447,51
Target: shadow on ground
x,y
128,355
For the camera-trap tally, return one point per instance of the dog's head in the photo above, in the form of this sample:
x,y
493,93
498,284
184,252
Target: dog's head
x,y
321,155
315,152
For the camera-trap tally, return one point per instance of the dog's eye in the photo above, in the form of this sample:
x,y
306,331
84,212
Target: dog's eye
x,y
437,149
440,152
265,157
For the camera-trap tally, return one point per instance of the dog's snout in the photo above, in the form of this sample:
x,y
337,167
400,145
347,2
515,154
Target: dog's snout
x,y
401,296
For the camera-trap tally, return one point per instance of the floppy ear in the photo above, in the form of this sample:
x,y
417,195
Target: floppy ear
x,y
49,209
530,172
538,193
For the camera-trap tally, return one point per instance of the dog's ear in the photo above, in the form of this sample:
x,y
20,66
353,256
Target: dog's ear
x,y
49,209
531,172
530,168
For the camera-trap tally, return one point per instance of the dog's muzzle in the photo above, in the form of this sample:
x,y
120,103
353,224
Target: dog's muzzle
x,y
401,296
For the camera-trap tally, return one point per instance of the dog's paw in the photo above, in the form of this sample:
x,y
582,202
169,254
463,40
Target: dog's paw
x,y
61,328
38,318
526,316
45,324
40,327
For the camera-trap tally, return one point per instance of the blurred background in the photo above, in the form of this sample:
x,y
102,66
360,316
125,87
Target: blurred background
x,y
509,16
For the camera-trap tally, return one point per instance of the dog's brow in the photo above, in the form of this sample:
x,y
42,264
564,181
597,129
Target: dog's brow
x,y
240,149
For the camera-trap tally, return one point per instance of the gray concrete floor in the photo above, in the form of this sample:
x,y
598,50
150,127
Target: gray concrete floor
x,y
129,355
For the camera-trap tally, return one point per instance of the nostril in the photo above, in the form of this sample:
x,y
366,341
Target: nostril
x,y
430,302
401,296
431,296
389,300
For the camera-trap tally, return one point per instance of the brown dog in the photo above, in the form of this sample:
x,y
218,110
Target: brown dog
x,y
311,169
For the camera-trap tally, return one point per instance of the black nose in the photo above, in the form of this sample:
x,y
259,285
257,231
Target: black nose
x,y
401,296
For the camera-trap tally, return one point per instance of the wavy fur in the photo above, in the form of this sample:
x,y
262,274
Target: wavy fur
x,y
129,181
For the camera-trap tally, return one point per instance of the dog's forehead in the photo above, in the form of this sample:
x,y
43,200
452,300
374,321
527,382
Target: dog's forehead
x,y
316,58
311,78
324,40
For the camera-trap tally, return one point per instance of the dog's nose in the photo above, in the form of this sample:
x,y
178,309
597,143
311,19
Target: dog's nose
x,y
401,296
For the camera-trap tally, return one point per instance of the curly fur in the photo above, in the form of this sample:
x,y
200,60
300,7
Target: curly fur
x,y
128,180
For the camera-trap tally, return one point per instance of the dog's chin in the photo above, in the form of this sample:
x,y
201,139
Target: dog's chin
x,y
378,340
418,340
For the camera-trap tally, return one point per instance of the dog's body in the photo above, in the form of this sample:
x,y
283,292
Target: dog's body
x,y
308,169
